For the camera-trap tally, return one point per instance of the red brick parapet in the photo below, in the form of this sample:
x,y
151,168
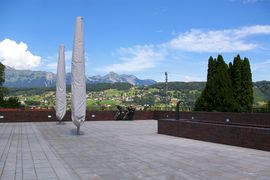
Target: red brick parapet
x,y
41,115
237,135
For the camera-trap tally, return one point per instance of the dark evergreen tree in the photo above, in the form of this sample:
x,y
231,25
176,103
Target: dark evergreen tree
x,y
11,102
236,78
241,78
223,87
230,69
246,94
2,80
2,74
217,95
211,68
210,89
205,101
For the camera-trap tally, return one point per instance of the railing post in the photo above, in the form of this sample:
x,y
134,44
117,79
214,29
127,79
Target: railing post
x,y
177,112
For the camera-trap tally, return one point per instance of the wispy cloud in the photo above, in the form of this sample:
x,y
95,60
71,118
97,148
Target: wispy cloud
x,y
260,70
250,1
265,65
141,57
50,62
230,40
136,59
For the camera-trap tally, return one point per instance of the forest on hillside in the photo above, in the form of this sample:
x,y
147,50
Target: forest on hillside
x,y
108,95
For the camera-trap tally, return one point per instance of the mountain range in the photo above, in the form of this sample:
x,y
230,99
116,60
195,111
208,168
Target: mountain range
x,y
29,78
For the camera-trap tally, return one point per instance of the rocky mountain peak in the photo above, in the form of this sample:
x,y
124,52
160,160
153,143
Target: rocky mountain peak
x,y
28,78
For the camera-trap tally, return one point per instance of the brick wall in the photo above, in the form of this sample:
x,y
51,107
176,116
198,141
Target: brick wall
x,y
250,130
253,119
250,137
21,115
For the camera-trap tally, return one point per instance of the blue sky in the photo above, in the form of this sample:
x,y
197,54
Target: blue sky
x,y
140,37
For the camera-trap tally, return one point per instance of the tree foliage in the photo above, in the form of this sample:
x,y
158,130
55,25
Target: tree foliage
x,y
242,84
105,86
2,80
11,102
236,77
217,95
247,90
178,86
228,88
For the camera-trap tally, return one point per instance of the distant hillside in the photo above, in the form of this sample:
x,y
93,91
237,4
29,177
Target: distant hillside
x,y
28,78
36,81
29,91
261,88
180,86
114,77
264,87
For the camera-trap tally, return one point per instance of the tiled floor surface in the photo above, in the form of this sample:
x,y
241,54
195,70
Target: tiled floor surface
x,y
120,150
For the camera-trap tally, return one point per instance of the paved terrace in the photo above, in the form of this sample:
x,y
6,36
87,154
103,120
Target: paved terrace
x,y
120,150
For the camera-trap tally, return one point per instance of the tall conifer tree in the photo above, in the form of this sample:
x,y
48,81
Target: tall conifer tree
x,y
2,80
236,78
227,88
206,101
217,95
224,96
246,101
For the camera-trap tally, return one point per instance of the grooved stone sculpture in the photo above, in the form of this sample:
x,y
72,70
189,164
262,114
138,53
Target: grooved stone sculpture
x,y
61,85
78,86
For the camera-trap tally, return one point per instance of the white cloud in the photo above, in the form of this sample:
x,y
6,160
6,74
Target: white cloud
x,y
249,1
253,1
260,70
249,30
136,59
141,57
265,65
230,40
17,55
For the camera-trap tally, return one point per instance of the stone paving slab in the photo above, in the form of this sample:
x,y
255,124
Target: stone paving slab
x,y
120,150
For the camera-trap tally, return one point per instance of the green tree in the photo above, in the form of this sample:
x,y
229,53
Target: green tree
x,y
2,80
223,87
217,95
11,102
236,78
206,101
241,78
145,100
246,101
